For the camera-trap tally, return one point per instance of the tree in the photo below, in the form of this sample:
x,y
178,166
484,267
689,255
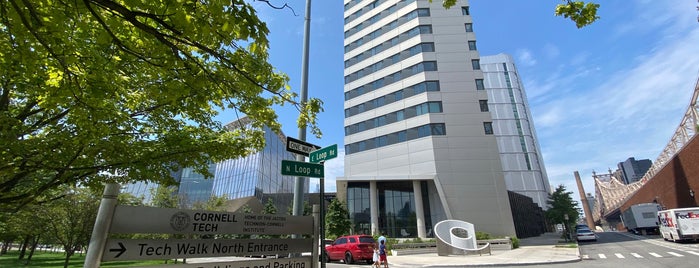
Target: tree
x,y
337,222
269,207
563,209
70,219
581,12
99,91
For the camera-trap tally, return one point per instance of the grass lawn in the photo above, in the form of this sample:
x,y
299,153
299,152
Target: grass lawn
x,y
55,260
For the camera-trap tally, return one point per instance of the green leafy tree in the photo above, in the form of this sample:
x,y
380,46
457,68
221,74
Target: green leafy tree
x,y
337,222
563,209
70,219
269,207
114,90
581,12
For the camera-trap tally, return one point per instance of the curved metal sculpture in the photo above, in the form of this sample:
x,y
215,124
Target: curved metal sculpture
x,y
456,237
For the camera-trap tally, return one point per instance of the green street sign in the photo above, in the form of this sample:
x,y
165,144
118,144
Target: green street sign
x,y
323,154
302,169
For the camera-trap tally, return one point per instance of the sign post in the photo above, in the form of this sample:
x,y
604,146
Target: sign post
x,y
320,156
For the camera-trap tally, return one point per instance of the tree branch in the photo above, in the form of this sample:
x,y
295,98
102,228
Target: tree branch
x,y
278,7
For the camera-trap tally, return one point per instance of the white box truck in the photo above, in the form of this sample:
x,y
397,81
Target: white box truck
x,y
679,224
641,218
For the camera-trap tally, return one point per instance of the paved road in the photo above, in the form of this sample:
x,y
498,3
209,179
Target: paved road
x,y
615,249
612,250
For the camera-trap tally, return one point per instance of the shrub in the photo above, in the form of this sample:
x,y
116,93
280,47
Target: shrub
x,y
482,236
515,242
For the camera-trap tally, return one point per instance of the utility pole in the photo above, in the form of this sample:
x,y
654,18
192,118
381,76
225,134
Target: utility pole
x,y
300,181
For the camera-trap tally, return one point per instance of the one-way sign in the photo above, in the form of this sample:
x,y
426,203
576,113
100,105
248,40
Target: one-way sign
x,y
299,146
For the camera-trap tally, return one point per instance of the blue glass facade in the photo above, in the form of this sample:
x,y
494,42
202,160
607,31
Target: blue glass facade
x,y
257,175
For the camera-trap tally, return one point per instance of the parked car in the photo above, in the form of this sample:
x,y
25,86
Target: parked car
x,y
351,248
581,226
584,234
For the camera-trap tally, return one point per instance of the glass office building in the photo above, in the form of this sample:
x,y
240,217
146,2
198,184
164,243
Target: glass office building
x,y
257,175
418,147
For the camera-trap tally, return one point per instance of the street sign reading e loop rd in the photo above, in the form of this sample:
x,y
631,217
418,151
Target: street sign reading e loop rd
x,y
299,146
323,154
302,169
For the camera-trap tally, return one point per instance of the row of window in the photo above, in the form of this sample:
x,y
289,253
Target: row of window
x,y
422,12
352,3
367,8
390,11
392,97
434,129
417,49
413,111
425,66
422,29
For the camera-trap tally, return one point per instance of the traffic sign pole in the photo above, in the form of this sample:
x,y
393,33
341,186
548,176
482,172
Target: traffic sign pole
x,y
322,221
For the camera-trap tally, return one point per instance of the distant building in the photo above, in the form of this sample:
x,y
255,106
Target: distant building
x,y
632,170
513,127
250,180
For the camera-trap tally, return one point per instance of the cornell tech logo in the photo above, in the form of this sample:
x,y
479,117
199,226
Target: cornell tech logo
x,y
179,221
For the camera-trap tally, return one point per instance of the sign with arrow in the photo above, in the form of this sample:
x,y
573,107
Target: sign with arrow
x,y
149,249
299,146
242,262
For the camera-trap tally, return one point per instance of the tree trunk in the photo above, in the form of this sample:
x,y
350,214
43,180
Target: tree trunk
x,y
69,253
35,241
23,247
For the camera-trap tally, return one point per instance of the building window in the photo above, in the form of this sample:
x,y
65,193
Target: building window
x,y
479,84
471,45
488,127
484,105
465,11
476,64
469,27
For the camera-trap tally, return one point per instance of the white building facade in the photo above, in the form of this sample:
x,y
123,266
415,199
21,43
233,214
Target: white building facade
x,y
513,126
419,149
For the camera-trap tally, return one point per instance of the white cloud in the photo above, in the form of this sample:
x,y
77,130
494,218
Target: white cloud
x,y
525,58
551,51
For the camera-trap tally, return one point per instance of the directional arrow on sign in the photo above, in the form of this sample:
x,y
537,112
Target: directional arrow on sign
x,y
121,250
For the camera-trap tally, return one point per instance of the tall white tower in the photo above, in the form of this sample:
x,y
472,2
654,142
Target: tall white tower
x,y
419,149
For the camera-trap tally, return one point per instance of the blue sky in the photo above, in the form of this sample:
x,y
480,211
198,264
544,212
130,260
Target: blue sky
x,y
598,95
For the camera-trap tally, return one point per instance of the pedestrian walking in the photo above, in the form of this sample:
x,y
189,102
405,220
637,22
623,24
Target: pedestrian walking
x,y
375,258
382,253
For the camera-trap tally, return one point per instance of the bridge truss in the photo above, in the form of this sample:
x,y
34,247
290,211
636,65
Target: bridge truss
x,y
610,193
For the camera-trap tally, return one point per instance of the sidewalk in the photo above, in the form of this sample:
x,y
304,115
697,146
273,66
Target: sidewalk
x,y
533,250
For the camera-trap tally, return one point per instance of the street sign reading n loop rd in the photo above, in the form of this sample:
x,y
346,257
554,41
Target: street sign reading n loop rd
x,y
299,146
323,154
302,169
